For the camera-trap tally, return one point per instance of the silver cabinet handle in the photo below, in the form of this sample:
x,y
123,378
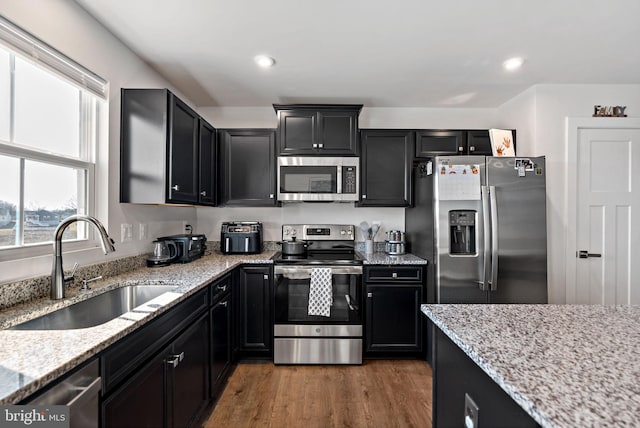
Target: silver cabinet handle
x,y
175,360
270,195
222,287
203,193
225,304
461,149
315,146
364,196
321,145
472,148
175,187
265,277
394,275
369,295
585,254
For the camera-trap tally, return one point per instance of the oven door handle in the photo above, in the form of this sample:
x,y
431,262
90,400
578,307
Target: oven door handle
x,y
304,272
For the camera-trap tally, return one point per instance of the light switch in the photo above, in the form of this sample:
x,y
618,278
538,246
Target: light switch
x,y
143,231
126,232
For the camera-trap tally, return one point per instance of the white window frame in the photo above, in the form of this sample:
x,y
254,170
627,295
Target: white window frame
x,y
23,44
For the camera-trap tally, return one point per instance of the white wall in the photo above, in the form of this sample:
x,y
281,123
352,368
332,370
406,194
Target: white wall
x,y
210,219
65,26
540,114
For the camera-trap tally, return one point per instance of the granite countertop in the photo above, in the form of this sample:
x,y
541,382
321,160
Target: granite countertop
x,y
381,258
30,359
565,365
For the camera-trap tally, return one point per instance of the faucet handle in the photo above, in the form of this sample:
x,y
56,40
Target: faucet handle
x,y
73,273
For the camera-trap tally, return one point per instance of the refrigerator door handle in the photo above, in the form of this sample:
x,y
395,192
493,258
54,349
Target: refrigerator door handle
x,y
486,225
494,238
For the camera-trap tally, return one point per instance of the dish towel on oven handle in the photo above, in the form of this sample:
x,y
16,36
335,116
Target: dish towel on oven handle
x,y
320,292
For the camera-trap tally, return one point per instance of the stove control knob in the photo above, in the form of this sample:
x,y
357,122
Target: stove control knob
x,y
342,232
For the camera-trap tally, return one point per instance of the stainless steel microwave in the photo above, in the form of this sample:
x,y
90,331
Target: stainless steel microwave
x,y
308,178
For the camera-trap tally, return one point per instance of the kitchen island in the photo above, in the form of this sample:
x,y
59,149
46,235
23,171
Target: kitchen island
x,y
564,365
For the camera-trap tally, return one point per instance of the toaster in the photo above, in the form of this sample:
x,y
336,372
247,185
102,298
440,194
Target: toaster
x,y
241,237
190,246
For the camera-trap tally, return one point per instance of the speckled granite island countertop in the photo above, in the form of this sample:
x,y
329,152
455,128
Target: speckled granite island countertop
x,y
381,258
31,359
565,365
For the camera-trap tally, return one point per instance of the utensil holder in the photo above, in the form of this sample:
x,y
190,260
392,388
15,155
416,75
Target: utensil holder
x,y
368,246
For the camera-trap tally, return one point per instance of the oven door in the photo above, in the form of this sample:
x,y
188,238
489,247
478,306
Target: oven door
x,y
292,285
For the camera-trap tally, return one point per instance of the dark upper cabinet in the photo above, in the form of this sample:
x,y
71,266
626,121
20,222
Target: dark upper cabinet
x,y
254,319
439,143
248,166
431,143
386,167
208,161
318,129
164,153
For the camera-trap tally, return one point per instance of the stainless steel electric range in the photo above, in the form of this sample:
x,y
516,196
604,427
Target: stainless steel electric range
x,y
334,337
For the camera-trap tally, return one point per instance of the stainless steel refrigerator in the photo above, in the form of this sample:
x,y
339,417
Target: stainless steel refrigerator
x,y
481,223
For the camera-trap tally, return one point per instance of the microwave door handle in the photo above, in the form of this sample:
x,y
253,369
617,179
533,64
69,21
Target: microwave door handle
x,y
226,244
339,180
246,244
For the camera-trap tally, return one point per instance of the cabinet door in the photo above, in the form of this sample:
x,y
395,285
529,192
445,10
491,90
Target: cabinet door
x,y
393,318
298,131
207,160
386,168
479,143
188,379
140,402
183,153
220,339
431,143
338,133
248,159
254,311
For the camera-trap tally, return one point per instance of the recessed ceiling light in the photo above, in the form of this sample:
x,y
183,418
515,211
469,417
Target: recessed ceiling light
x,y
264,61
513,64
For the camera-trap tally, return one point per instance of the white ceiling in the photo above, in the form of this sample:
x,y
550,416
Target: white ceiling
x,y
382,53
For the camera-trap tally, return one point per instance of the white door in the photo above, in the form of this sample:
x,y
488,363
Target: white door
x,y
607,217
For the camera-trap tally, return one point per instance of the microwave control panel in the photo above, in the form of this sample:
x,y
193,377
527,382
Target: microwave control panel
x,y
349,179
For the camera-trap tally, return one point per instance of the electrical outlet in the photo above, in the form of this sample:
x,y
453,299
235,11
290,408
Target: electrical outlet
x,y
143,230
126,232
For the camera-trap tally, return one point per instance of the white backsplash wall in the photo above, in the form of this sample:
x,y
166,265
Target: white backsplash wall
x,y
210,219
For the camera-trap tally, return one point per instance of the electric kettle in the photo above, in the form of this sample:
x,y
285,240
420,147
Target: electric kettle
x,y
164,252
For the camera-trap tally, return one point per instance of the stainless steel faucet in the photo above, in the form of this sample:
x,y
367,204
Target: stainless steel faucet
x,y
58,280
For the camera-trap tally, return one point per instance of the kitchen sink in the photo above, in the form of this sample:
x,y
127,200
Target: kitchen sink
x,y
96,310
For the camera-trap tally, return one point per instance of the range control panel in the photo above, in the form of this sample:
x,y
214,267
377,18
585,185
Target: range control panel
x,y
318,232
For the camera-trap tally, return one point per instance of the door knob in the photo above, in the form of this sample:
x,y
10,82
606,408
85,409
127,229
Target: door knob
x,y
583,254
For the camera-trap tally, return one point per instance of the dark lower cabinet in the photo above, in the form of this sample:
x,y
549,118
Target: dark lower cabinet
x,y
386,162
254,308
169,390
456,380
393,320
394,325
140,402
220,342
248,166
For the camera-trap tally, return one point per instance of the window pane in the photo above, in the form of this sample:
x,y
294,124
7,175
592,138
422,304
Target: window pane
x,y
51,193
9,199
47,111
5,94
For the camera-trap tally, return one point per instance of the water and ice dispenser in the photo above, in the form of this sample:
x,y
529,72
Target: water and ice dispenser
x,y
462,232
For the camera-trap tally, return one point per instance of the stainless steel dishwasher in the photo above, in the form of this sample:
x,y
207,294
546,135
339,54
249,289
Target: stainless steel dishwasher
x,y
79,391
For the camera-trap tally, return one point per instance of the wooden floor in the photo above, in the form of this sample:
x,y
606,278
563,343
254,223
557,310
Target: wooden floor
x,y
386,393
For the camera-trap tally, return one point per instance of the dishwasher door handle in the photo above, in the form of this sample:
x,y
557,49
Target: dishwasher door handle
x,y
86,394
